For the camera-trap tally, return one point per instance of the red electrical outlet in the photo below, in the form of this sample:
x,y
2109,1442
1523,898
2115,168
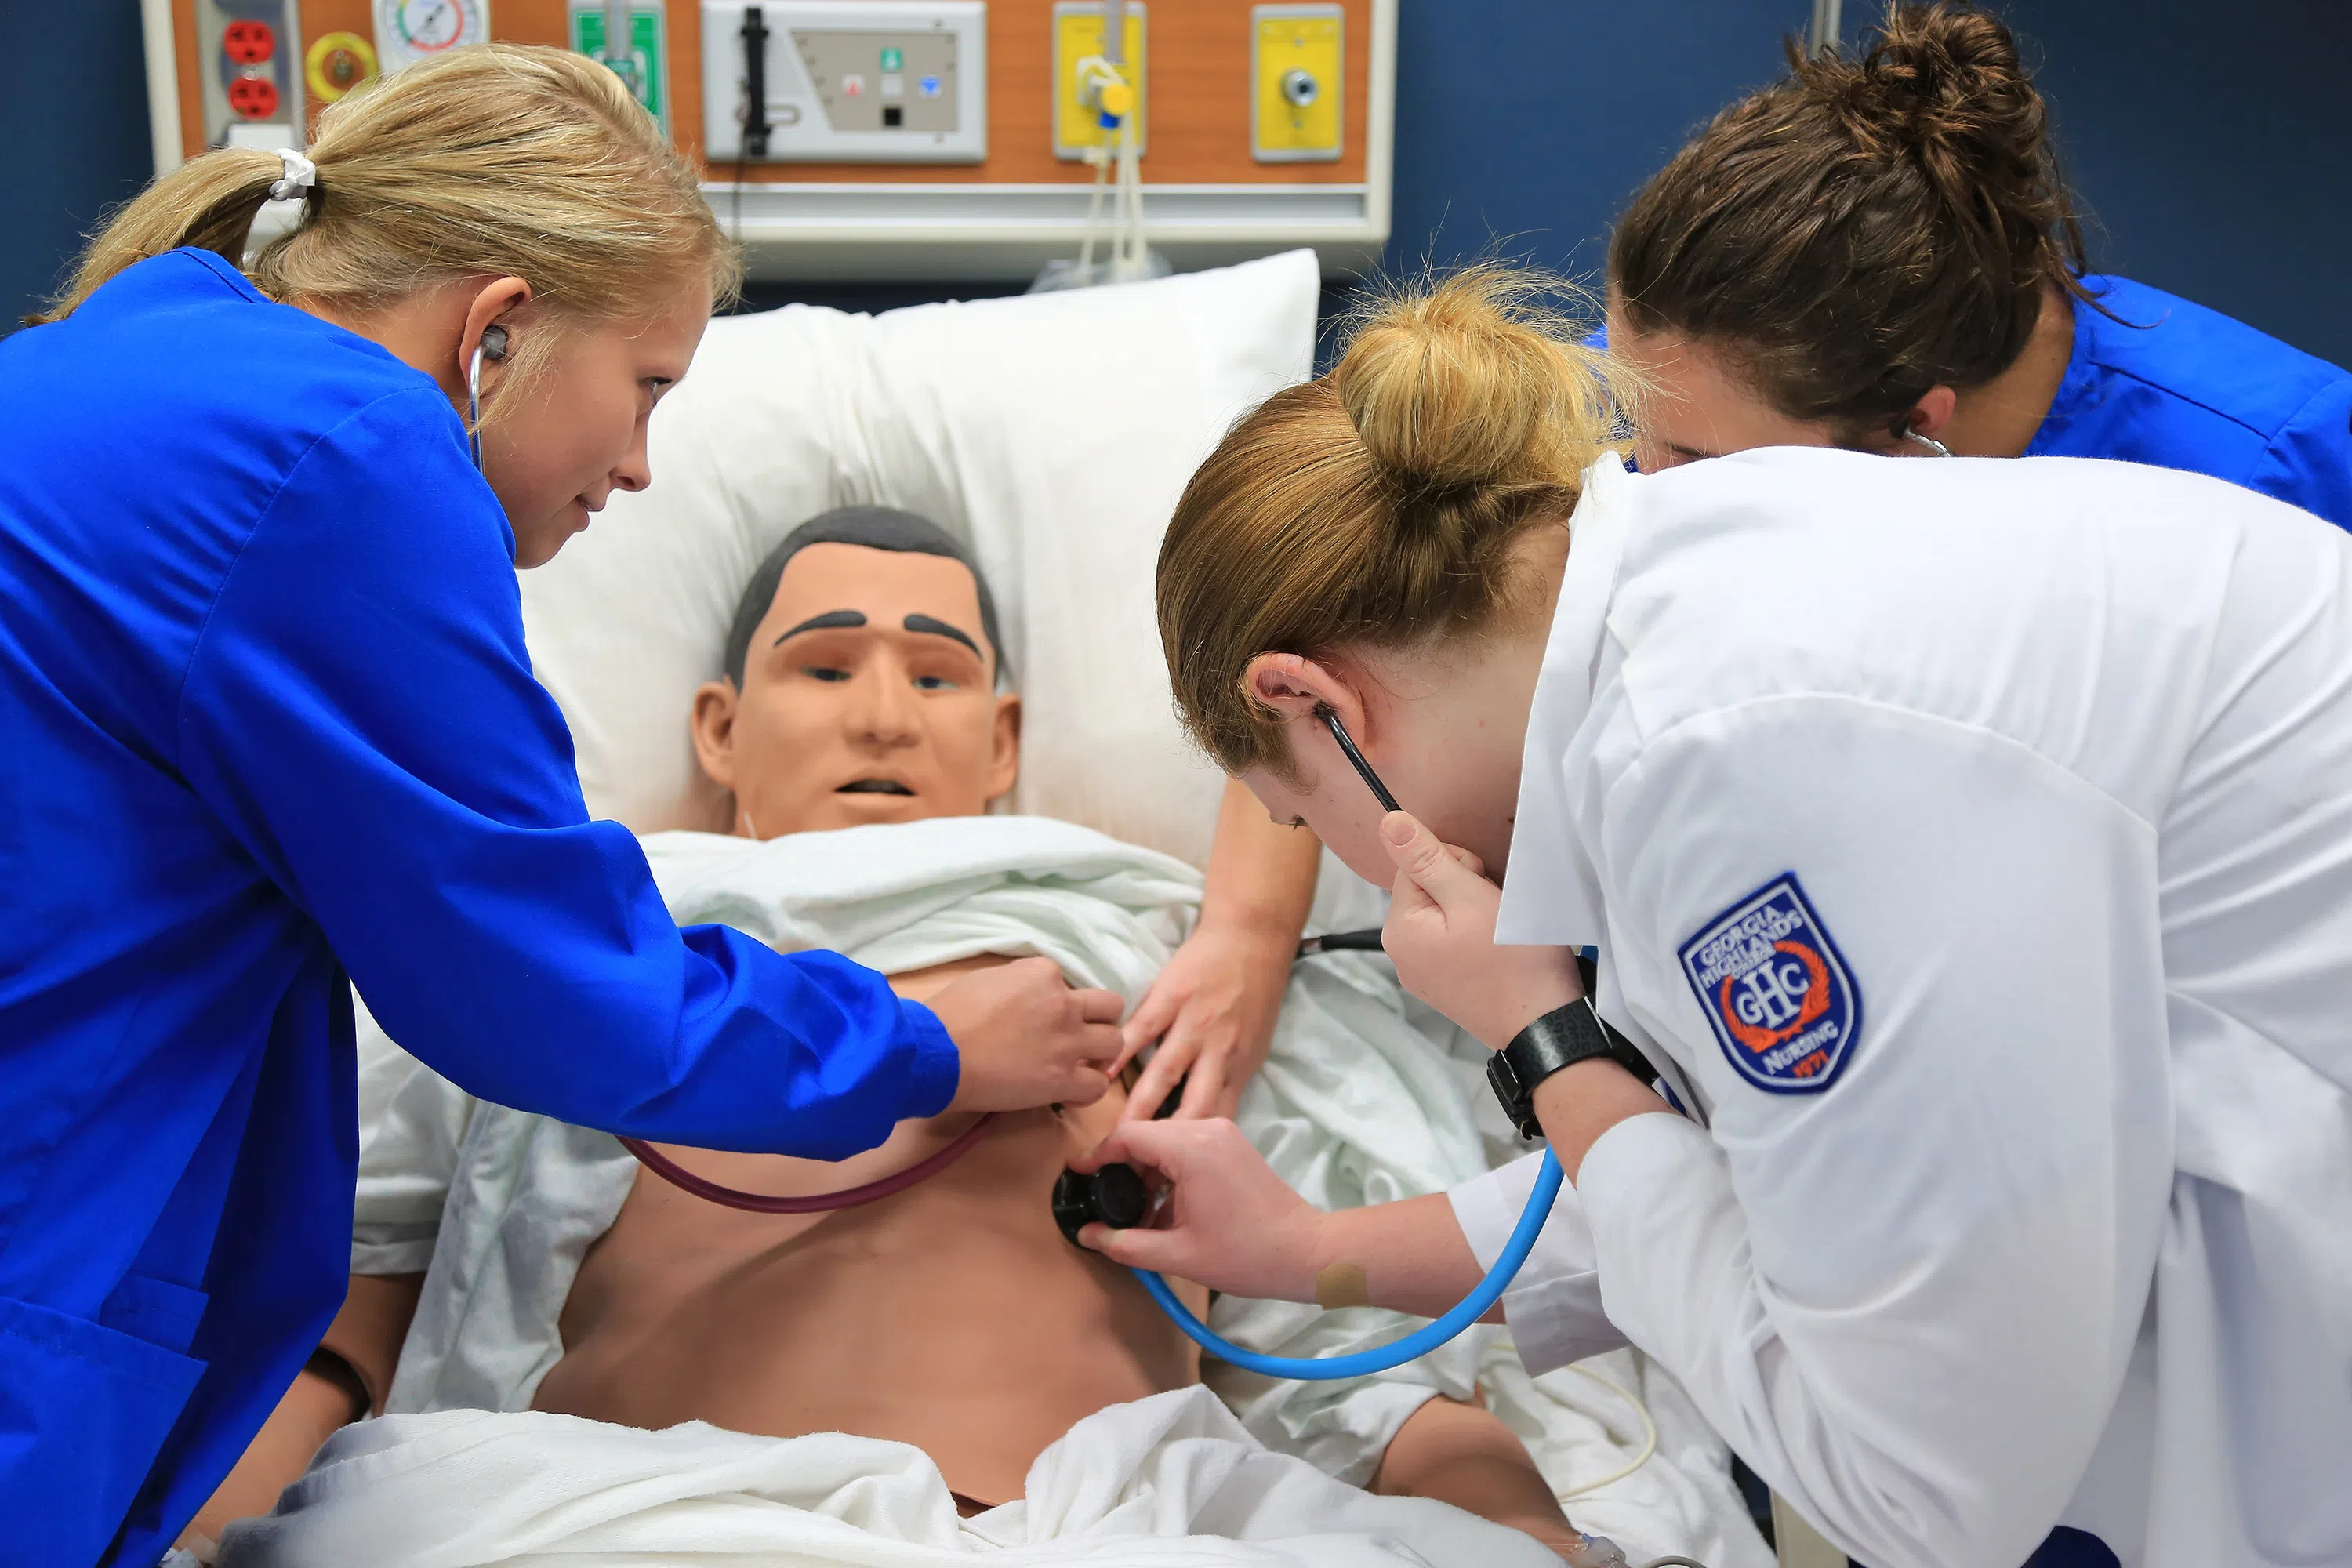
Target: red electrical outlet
x,y
253,97
248,43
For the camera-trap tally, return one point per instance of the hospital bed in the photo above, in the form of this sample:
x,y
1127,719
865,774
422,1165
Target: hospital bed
x,y
1055,433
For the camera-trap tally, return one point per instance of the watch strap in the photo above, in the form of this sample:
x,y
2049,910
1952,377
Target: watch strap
x,y
1629,1055
1560,1038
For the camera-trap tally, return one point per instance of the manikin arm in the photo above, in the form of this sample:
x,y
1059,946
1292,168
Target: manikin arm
x,y
346,1381
1213,1008
1462,1454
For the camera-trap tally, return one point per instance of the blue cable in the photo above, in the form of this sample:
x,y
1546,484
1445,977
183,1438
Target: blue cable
x,y
1415,1345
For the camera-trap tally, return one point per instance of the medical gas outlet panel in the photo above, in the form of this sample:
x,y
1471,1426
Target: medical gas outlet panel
x,y
885,82
852,82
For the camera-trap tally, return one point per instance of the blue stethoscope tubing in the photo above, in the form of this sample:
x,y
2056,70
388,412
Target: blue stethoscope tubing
x,y
1415,1345
1422,1340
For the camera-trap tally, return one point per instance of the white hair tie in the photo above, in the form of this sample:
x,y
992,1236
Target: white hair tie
x,y
301,175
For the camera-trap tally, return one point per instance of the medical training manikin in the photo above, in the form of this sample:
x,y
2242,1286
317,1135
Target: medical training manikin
x,y
560,1279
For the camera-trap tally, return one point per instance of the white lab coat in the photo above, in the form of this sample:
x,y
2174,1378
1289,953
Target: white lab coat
x,y
2061,752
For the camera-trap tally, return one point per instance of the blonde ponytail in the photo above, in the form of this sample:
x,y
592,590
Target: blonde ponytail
x,y
1382,505
208,202
500,161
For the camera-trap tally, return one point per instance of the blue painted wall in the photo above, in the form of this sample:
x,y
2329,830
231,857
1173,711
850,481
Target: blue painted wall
x,y
74,120
2209,142
2212,143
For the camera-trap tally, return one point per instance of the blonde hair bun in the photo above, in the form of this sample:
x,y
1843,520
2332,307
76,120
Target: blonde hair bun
x,y
1386,504
1479,378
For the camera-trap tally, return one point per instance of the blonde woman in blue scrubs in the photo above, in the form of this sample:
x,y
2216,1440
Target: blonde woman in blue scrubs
x,y
269,727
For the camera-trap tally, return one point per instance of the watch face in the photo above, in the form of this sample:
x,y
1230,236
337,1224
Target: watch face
x,y
411,30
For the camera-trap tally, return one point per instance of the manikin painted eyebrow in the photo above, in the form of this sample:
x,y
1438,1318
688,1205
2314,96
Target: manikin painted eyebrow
x,y
922,623
930,625
825,623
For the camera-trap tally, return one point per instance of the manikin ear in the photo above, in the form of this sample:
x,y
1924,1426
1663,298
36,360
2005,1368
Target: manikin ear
x,y
1295,687
1933,412
715,703
1004,751
492,306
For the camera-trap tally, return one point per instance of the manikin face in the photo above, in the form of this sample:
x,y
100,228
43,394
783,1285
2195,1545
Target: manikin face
x,y
578,432
868,696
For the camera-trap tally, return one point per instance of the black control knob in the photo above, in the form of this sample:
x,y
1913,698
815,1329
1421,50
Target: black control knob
x,y
1114,1195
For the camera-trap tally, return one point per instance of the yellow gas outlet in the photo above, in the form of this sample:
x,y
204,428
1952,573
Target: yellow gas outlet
x,y
1297,58
1077,39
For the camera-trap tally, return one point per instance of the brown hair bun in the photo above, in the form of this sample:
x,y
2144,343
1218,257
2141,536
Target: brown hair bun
x,y
1938,75
1944,85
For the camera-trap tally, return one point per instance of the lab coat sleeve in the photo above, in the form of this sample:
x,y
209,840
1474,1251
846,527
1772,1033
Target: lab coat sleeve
x,y
361,713
2309,462
1906,1300
1553,1306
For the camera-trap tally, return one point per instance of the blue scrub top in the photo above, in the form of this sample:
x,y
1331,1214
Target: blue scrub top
x,y
2179,386
269,718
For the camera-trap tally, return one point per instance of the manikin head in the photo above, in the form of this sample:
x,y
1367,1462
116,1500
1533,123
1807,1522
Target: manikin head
x,y
862,682
1387,542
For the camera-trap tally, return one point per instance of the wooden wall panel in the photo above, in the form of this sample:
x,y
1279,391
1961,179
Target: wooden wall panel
x,y
191,65
534,21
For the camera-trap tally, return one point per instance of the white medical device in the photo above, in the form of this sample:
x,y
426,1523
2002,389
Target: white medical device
x,y
872,82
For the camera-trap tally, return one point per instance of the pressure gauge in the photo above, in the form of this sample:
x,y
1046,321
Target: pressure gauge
x,y
407,31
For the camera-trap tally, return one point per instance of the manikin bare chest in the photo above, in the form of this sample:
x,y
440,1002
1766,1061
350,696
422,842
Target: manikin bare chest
x,y
952,1315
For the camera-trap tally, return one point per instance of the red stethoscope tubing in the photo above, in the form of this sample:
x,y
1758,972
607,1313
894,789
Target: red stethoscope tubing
x,y
678,1176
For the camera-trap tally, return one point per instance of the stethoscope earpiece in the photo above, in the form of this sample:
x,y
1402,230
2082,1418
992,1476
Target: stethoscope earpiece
x,y
492,346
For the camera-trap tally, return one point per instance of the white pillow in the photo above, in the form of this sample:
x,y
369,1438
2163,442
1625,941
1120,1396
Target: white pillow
x,y
1053,432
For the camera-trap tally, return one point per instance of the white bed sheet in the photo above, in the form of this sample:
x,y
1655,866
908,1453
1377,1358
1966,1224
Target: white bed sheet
x,y
1354,1106
1172,1481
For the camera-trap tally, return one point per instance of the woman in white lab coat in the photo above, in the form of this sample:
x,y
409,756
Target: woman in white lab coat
x,y
1969,850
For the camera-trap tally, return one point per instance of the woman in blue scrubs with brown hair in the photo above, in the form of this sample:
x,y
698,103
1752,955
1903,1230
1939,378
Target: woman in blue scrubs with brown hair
x,y
1877,252
267,721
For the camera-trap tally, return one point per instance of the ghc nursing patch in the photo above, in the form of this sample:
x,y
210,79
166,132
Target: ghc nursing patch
x,y
1776,990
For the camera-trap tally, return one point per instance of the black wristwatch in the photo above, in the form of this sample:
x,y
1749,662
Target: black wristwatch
x,y
1560,1038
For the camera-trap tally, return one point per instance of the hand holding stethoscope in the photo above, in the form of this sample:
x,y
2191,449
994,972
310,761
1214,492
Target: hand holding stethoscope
x,y
1440,933
1225,1220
